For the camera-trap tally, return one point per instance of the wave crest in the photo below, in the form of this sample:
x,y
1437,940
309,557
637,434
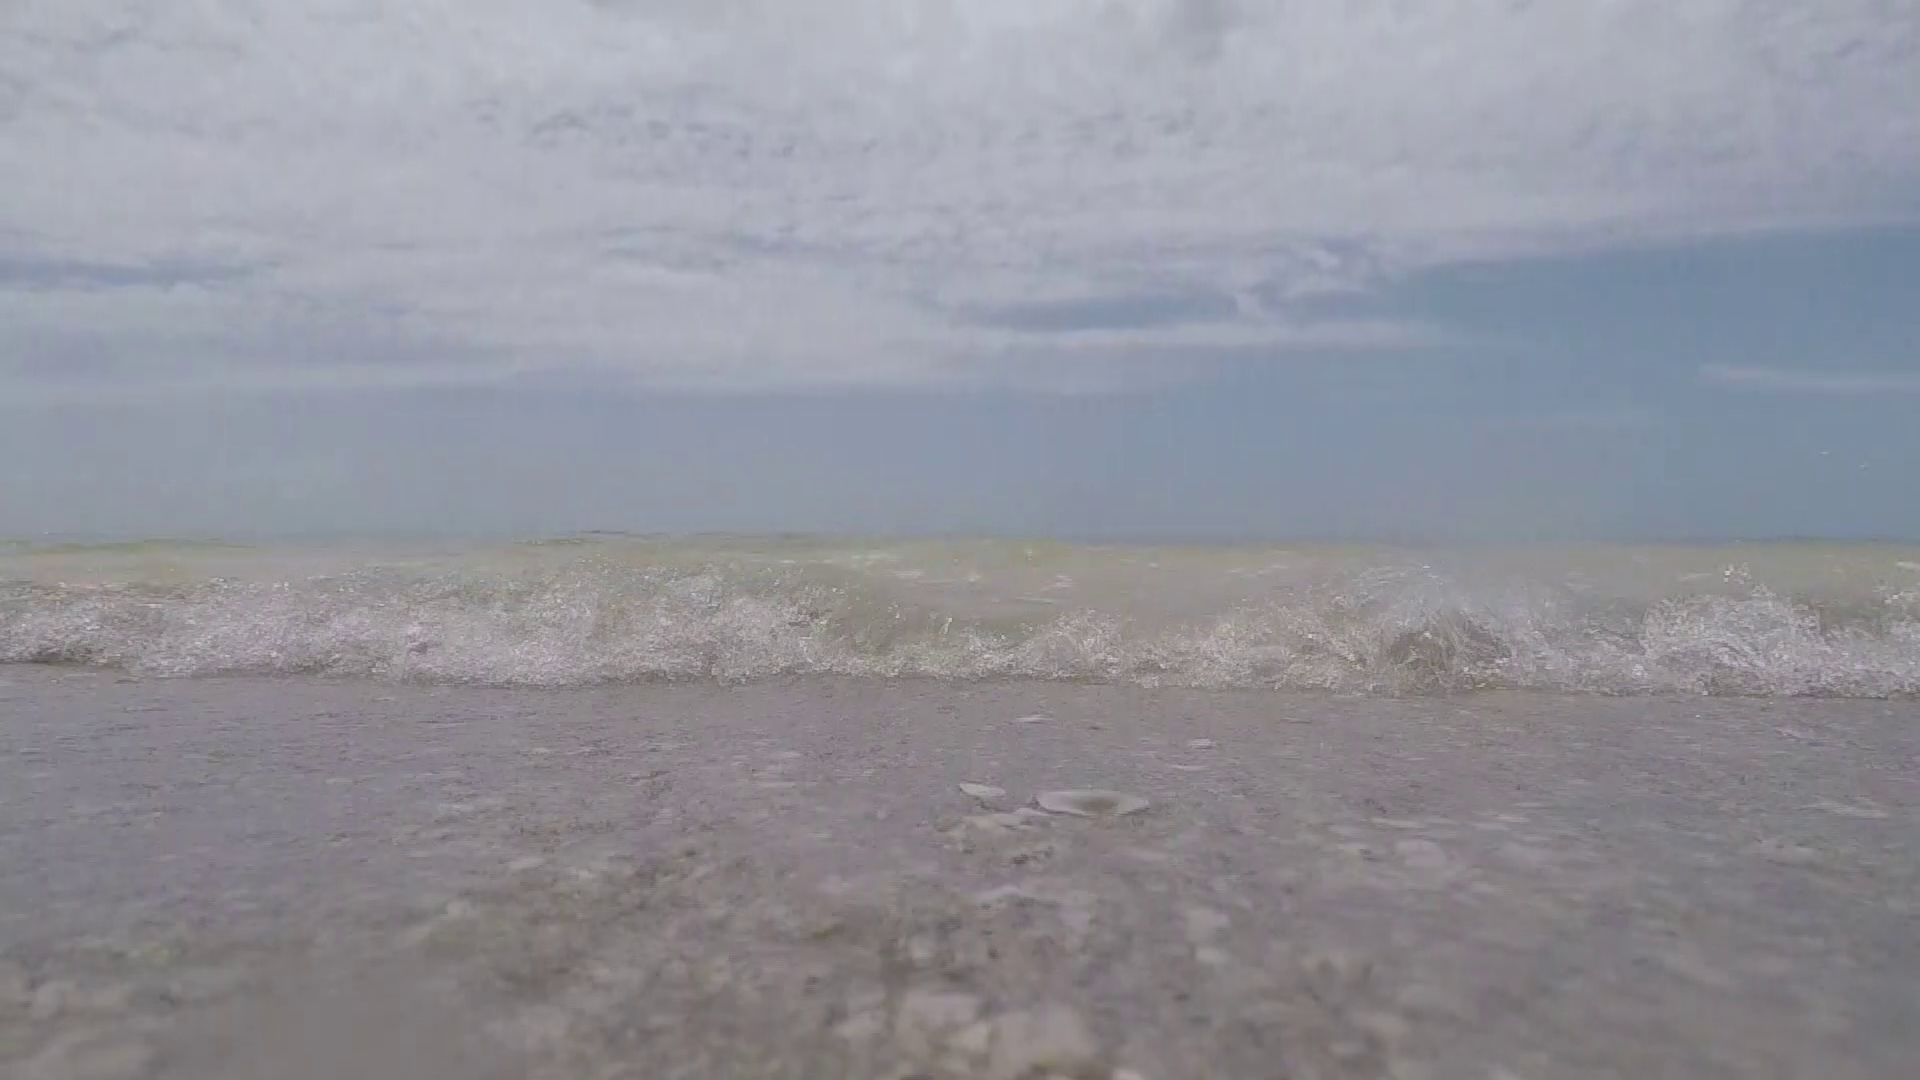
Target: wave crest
x,y
588,623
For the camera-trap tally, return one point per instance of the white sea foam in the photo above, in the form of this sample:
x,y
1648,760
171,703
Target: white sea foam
x,y
1806,620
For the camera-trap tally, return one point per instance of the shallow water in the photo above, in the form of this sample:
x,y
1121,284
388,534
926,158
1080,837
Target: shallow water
x,y
237,879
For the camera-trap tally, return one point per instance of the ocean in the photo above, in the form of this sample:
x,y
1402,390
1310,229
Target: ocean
x,y
618,807
1749,619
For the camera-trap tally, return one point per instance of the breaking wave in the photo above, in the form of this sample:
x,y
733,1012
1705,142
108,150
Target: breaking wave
x,y
589,621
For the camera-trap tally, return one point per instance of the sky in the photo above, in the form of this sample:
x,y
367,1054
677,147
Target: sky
x,y
1489,269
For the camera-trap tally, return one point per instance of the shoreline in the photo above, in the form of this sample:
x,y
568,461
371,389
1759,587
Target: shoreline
x,y
784,879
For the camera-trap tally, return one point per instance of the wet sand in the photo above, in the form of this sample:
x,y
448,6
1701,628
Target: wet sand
x,y
306,879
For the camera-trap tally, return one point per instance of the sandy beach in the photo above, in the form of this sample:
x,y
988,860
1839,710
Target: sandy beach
x,y
305,878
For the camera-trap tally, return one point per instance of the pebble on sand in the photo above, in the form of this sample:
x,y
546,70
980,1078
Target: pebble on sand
x,y
947,1025
927,1018
1091,803
1051,1040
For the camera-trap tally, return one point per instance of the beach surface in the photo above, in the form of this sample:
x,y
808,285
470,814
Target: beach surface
x,y
298,878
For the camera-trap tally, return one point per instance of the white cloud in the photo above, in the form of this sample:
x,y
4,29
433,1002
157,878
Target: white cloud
x,y
804,192
1826,383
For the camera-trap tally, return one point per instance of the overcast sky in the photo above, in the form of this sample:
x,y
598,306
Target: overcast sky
x,y
1089,267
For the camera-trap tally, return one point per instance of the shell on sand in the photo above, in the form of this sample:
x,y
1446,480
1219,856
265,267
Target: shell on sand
x,y
1091,803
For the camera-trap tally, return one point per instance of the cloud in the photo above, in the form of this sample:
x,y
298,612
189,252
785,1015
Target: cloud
x,y
1825,383
51,275
769,193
